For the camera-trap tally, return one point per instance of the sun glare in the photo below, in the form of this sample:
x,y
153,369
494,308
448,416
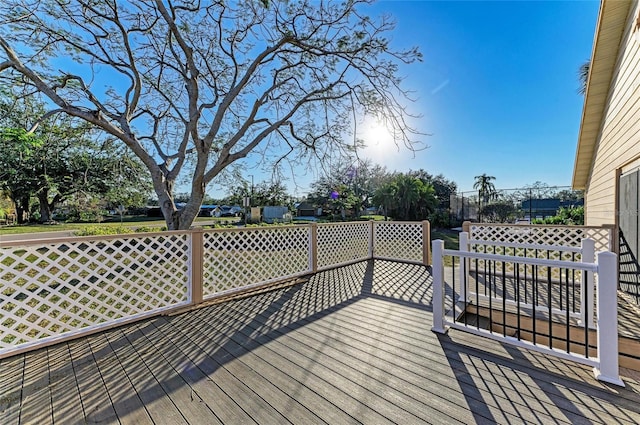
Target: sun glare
x,y
378,140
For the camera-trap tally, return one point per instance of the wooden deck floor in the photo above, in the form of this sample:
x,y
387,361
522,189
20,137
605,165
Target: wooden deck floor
x,y
353,345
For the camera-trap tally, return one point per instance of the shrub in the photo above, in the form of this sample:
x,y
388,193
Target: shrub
x,y
102,230
148,229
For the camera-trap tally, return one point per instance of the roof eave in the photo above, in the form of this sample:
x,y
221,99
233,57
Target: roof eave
x,y
609,31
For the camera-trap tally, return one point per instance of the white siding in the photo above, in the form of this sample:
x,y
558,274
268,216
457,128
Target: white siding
x,y
619,140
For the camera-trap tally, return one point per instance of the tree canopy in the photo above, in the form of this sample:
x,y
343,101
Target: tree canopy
x,y
406,197
60,159
191,88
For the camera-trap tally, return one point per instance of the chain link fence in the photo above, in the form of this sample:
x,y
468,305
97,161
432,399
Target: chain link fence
x,y
550,204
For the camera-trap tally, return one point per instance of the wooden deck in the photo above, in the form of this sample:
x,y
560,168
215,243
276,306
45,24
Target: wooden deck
x,y
353,345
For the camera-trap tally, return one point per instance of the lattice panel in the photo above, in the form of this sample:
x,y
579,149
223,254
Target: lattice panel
x,y
398,241
234,258
50,289
547,235
341,243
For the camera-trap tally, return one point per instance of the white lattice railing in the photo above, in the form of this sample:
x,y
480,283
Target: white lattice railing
x,y
54,288
401,241
51,290
542,234
343,243
237,258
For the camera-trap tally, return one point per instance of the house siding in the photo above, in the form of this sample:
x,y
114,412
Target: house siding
x,y
619,140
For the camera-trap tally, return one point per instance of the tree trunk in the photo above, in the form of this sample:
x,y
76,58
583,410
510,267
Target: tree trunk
x,y
180,219
22,206
45,208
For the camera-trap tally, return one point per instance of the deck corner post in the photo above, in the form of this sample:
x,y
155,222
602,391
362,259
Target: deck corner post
x,y
426,243
438,286
466,227
313,248
463,246
196,265
588,255
607,300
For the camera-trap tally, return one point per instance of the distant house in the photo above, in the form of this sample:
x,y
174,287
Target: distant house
x,y
547,207
607,160
305,209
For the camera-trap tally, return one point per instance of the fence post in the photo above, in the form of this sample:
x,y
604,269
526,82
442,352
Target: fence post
x,y
313,248
197,264
438,286
607,300
614,238
372,238
463,246
466,226
587,253
426,243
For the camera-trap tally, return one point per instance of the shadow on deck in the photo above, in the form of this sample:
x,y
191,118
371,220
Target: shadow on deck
x,y
352,345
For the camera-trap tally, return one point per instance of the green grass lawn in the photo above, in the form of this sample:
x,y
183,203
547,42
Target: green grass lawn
x,y
134,221
372,217
450,237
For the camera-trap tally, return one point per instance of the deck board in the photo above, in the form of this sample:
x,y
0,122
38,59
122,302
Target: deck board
x,y
131,409
96,404
65,397
412,358
399,368
11,375
205,387
352,345
36,395
154,385
200,350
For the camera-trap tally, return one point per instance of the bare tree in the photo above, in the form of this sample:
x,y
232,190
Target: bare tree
x,y
192,87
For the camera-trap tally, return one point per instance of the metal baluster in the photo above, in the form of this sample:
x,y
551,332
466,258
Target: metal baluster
x,y
477,297
568,317
573,283
549,305
586,313
504,298
453,287
490,296
517,295
525,277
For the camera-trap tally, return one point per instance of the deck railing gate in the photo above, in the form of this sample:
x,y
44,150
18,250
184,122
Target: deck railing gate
x,y
605,362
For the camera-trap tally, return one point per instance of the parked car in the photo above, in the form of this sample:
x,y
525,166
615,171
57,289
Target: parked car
x,y
227,211
237,210
209,211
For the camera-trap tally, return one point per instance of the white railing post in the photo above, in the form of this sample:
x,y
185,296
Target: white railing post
x,y
463,246
607,300
588,255
437,248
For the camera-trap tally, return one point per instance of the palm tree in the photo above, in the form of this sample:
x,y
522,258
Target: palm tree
x,y
486,189
583,76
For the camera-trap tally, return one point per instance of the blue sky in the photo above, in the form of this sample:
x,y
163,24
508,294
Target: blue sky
x,y
497,89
